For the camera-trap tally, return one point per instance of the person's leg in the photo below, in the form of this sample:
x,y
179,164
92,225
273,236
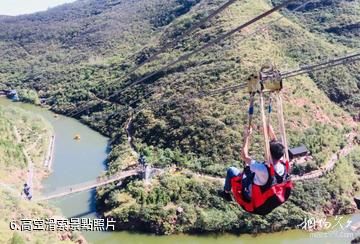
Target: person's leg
x,y
231,172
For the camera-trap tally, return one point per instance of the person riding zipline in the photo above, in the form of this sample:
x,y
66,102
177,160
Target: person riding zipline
x,y
258,178
258,170
262,187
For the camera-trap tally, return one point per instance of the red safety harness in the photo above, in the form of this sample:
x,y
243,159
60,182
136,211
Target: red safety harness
x,y
265,198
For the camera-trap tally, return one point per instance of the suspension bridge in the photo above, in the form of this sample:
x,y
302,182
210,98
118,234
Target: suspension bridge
x,y
68,190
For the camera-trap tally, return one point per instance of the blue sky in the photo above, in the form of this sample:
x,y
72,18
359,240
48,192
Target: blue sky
x,y
17,7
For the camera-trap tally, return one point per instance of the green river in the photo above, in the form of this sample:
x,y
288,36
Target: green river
x,y
80,161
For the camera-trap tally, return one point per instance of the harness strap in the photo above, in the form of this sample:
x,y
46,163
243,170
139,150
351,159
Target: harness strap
x,y
280,114
266,136
251,108
287,166
269,109
251,111
273,175
272,170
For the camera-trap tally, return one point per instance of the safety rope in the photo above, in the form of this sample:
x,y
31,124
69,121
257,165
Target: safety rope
x,y
269,110
281,122
251,109
265,130
177,39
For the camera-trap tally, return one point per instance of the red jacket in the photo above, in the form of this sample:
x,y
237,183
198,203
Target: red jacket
x,y
265,198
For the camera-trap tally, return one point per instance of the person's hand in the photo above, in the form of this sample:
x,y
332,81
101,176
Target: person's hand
x,y
271,132
248,131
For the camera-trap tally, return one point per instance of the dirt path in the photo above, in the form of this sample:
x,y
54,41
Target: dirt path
x,y
34,144
30,171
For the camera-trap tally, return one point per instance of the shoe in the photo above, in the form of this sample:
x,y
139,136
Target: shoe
x,y
225,195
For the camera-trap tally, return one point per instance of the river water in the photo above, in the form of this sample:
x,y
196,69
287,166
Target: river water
x,y
80,161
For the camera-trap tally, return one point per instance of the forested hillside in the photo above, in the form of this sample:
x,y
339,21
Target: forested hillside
x,y
80,54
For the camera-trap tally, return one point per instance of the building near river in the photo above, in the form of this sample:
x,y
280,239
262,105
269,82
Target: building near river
x,y
297,152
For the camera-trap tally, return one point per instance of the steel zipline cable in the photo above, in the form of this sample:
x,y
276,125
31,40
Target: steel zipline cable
x,y
178,39
209,44
258,30
348,59
324,65
352,58
188,55
168,45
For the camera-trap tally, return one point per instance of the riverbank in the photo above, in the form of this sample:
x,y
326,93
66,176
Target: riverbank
x,y
22,149
73,162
